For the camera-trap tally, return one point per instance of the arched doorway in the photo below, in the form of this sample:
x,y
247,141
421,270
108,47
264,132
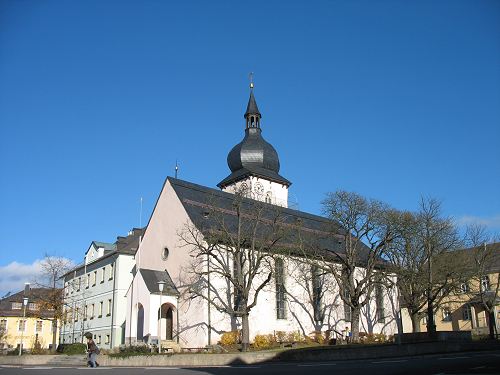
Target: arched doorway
x,y
167,321
140,322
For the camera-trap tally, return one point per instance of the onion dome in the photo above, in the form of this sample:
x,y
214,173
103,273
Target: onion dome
x,y
253,156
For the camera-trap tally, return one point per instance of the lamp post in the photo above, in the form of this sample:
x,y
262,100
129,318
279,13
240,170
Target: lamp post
x,y
161,285
25,303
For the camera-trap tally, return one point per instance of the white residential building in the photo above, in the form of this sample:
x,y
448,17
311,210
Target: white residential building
x,y
94,292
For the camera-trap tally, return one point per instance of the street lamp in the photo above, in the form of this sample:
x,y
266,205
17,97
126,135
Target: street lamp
x,y
25,303
161,285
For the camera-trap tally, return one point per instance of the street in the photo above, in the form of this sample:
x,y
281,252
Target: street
x,y
457,363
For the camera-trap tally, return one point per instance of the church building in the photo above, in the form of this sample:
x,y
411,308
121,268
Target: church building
x,y
160,300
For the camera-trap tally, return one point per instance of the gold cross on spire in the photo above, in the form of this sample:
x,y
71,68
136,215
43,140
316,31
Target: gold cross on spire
x,y
250,77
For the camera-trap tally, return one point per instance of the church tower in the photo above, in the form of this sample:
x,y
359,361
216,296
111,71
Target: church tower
x,y
254,163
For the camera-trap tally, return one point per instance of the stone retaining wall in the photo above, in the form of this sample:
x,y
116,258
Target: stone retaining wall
x,y
333,353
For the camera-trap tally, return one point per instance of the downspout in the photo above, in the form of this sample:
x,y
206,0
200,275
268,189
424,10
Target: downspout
x,y
208,296
112,338
177,318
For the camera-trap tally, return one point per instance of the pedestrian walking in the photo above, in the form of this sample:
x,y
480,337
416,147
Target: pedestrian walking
x,y
92,351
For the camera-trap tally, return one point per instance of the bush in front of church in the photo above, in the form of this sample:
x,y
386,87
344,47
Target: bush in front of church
x,y
230,338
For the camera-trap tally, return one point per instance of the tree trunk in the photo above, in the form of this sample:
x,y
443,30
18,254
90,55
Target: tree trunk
x,y
356,312
431,326
54,336
415,323
245,333
491,323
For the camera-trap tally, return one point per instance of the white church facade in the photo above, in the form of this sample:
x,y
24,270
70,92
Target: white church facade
x,y
160,304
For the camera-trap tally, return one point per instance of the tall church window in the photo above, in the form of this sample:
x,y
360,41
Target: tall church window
x,y
347,308
238,298
317,293
379,299
279,273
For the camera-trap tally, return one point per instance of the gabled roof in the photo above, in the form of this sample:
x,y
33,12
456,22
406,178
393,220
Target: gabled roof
x,y
35,295
321,234
492,258
151,279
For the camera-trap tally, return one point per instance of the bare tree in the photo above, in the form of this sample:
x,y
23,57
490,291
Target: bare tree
x,y
312,287
52,268
421,257
362,229
483,260
233,255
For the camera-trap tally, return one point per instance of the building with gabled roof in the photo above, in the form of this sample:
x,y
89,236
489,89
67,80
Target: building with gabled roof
x,y
33,325
174,317
94,292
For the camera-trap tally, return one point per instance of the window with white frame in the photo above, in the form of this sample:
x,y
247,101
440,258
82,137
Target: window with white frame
x,y
446,315
100,308
464,287
17,305
79,284
107,339
92,311
111,270
85,311
21,327
3,325
94,278
33,306
466,312
87,281
103,273
485,283
39,326
109,308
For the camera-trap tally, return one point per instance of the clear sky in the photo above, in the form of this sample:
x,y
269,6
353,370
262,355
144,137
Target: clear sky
x,y
391,99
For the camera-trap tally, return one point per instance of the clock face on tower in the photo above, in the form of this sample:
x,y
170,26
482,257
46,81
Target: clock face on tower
x,y
258,188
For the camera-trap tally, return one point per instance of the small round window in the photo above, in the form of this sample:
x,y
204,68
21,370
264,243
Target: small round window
x,y
164,253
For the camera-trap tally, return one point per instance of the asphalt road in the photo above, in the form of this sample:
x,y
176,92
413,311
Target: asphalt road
x,y
458,363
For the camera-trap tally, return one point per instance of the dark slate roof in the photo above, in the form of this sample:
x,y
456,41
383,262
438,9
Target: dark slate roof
x,y
252,108
151,279
253,156
124,245
35,295
492,257
321,234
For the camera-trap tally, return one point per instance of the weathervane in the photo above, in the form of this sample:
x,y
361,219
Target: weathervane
x,y
250,77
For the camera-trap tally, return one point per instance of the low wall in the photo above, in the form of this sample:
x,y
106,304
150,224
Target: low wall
x,y
333,353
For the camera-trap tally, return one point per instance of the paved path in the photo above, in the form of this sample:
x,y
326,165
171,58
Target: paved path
x,y
457,363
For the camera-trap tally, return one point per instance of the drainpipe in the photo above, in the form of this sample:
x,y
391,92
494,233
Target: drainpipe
x,y
208,296
112,338
177,319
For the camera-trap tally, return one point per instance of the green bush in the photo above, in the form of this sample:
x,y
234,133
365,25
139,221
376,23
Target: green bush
x,y
76,348
129,351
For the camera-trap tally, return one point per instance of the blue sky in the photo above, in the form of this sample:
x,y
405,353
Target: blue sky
x,y
391,99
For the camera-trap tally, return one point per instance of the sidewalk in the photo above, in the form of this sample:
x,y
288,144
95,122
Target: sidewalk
x,y
328,353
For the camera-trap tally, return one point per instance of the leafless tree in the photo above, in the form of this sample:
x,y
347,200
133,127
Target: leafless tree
x,y
233,255
52,268
362,229
483,261
420,256
311,288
